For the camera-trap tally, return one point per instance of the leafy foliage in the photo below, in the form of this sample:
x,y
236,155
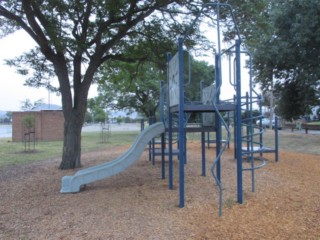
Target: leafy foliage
x,y
133,86
199,71
298,62
75,38
28,122
296,100
136,86
96,110
286,59
27,105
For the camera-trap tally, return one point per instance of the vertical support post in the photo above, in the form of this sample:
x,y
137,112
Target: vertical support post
x,y
181,125
203,153
185,146
228,122
249,139
276,142
218,120
163,172
163,175
235,129
170,152
203,138
170,136
247,123
260,124
239,123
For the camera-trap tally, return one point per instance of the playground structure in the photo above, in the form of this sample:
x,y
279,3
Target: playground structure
x,y
247,148
174,115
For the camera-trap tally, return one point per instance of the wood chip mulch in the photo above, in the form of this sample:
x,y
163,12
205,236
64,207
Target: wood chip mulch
x,y
137,204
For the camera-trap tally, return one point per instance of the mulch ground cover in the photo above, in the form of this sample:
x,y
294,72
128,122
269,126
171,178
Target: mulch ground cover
x,y
137,203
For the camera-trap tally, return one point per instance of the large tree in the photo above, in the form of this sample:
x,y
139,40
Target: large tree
x,y
286,56
298,59
74,38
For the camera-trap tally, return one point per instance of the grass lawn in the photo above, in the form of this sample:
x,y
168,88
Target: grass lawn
x,y
14,152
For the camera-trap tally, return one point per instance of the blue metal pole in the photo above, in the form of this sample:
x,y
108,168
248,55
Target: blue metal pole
x,y
276,139
239,123
163,173
247,122
170,153
250,156
218,120
228,122
203,138
170,138
260,124
235,129
203,153
181,125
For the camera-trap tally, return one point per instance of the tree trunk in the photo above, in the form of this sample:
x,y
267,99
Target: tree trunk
x,y
71,152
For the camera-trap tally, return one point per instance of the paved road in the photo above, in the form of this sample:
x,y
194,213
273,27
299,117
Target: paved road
x,y
113,127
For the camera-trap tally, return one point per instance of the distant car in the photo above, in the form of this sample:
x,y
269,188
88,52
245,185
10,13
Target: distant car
x,y
265,122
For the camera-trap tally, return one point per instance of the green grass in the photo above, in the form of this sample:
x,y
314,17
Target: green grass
x,y
295,142
14,152
288,141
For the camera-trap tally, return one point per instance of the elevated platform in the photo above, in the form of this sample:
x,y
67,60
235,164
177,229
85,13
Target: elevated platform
x,y
223,107
195,129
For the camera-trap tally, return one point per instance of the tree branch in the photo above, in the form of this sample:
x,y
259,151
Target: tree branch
x,y
39,36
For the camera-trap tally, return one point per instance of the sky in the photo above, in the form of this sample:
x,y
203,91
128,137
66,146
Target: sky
x,y
12,90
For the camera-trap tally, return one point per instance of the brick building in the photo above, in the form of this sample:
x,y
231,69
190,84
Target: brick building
x,y
47,125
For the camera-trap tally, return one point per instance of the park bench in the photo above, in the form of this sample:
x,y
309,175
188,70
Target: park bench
x,y
308,127
293,126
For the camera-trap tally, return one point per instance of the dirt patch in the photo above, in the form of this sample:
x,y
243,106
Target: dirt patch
x,y
137,204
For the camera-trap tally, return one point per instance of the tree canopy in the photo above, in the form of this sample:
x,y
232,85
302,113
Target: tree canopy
x,y
132,86
136,86
74,39
286,56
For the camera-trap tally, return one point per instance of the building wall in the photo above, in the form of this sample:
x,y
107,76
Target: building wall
x,y
48,125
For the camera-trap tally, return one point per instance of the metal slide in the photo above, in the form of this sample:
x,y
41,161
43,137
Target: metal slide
x,y
71,184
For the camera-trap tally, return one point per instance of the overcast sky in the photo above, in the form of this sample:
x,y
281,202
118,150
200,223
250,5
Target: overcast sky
x,y
12,90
